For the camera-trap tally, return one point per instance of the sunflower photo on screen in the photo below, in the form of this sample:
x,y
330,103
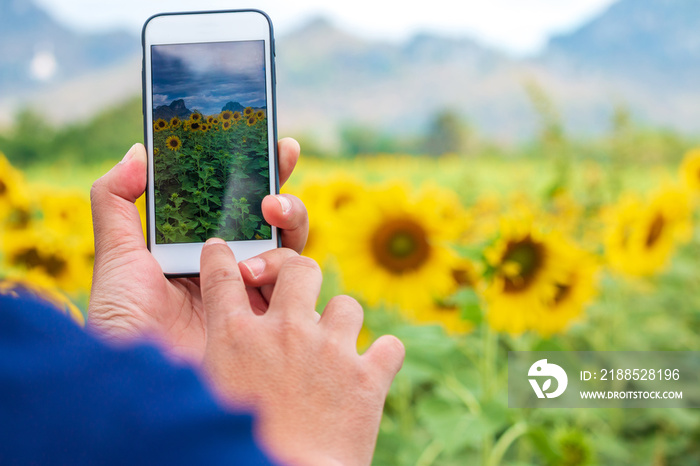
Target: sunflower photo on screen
x,y
210,142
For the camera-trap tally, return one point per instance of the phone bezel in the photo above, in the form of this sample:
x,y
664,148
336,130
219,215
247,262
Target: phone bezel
x,y
182,259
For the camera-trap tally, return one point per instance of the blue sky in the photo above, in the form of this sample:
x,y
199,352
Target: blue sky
x,y
520,27
207,76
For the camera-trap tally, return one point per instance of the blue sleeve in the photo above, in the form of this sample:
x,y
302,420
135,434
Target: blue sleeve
x,y
65,398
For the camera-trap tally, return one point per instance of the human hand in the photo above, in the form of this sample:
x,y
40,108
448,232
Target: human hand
x,y
317,400
131,299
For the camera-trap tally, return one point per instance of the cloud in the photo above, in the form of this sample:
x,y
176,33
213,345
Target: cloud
x,y
207,76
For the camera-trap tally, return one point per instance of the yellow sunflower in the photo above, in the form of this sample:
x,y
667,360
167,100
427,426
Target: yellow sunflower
x,y
525,264
236,116
641,236
156,151
248,111
210,119
204,128
175,122
260,114
14,195
226,115
173,143
226,125
196,116
251,120
195,126
690,170
160,125
394,249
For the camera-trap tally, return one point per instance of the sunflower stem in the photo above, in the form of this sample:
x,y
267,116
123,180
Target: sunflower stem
x,y
431,453
505,441
490,342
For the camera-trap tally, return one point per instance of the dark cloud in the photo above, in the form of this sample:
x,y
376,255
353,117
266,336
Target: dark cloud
x,y
207,76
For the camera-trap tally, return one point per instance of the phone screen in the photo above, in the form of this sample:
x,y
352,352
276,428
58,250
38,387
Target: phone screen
x,y
210,141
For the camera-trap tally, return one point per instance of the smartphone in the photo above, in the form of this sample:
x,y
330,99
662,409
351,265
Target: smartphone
x,y
210,132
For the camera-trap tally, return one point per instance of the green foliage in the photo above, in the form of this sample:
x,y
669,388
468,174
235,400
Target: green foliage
x,y
447,133
211,183
31,140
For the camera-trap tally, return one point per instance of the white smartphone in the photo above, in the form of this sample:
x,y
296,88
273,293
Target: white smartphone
x,y
211,134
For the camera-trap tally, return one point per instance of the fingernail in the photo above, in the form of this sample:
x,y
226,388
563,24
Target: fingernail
x,y
256,266
129,154
285,203
215,241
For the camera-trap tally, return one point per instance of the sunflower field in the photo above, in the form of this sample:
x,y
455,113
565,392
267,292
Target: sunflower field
x,y
464,259
212,173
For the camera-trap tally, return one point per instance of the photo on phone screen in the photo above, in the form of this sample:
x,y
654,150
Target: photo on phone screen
x,y
210,141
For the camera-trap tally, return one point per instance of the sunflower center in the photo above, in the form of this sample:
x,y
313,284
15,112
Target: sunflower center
x,y
400,246
31,258
3,188
655,231
341,201
527,255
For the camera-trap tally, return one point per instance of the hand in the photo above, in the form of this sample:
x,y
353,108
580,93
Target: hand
x,y
131,299
317,400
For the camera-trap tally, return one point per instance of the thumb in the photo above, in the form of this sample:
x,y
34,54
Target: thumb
x,y
115,218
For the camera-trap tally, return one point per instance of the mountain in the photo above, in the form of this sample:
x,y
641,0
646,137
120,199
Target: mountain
x,y
640,54
233,107
176,108
656,42
36,50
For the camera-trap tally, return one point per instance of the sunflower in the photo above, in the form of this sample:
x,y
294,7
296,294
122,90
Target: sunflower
x,y
156,151
210,119
226,115
226,125
14,195
204,128
160,125
525,264
394,249
690,170
195,126
641,236
196,116
175,122
248,111
173,143
251,120
236,116
260,114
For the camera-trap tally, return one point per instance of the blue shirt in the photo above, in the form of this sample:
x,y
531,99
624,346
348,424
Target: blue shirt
x,y
67,399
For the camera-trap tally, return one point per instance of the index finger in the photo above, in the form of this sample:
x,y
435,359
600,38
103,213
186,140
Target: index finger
x,y
223,289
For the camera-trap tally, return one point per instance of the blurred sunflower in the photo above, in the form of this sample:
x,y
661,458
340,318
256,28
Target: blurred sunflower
x,y
41,256
156,151
395,249
14,195
248,111
196,116
524,266
226,115
195,126
642,236
173,143
226,125
690,170
236,116
210,119
175,122
260,114
204,128
160,125
251,120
